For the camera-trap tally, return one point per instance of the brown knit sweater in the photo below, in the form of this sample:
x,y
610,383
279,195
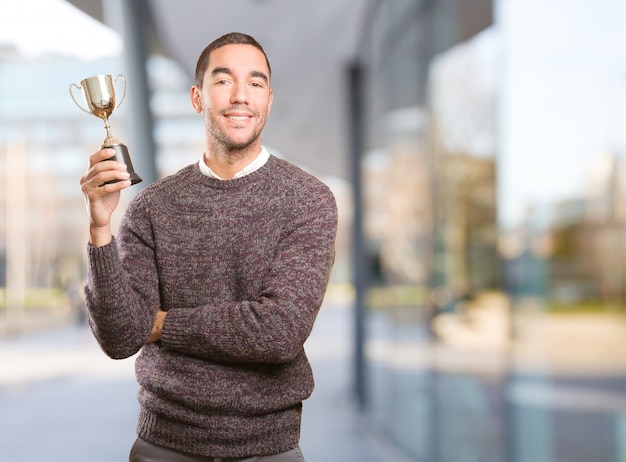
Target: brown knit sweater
x,y
241,266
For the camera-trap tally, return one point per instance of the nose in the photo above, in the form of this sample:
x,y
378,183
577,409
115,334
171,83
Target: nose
x,y
239,93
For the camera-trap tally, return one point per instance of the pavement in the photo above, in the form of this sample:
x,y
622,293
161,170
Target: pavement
x,y
63,400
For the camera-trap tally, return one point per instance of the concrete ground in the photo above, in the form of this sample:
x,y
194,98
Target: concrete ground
x,y
63,400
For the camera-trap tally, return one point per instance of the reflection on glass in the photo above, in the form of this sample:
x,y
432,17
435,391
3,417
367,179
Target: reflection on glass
x,y
497,233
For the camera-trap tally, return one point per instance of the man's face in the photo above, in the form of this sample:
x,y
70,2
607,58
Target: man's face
x,y
235,98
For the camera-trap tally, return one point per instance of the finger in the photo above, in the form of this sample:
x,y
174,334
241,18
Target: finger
x,y
101,155
99,174
118,185
96,184
99,194
100,166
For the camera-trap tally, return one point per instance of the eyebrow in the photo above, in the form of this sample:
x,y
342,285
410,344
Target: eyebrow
x,y
227,70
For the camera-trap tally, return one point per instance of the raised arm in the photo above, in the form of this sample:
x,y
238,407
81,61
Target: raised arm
x,y
116,310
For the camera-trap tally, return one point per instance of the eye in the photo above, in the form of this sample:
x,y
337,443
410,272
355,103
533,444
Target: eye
x,y
218,82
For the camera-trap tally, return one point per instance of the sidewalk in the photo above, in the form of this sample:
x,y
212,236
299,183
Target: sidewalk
x,y
63,400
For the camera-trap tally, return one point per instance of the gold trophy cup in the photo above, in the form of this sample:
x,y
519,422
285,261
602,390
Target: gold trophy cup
x,y
99,95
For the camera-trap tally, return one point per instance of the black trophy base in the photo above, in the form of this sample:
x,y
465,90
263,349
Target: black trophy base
x,y
122,155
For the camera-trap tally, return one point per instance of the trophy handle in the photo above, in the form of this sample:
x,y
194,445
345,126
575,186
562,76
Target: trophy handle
x,y
74,99
124,93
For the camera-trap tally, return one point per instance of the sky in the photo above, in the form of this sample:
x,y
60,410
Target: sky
x,y
36,27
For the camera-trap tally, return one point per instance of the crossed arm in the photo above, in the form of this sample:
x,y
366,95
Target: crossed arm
x,y
157,327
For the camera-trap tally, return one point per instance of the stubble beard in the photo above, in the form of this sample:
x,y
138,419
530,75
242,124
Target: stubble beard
x,y
224,145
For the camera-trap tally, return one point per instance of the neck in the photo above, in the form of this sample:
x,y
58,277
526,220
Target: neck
x,y
227,163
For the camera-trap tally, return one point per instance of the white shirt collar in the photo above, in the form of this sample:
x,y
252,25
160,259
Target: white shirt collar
x,y
256,164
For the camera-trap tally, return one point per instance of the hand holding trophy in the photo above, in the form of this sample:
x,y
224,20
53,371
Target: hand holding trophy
x,y
99,95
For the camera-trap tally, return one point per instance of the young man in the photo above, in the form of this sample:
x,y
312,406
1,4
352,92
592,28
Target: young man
x,y
217,274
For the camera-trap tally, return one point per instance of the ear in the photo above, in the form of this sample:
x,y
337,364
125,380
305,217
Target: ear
x,y
196,99
270,101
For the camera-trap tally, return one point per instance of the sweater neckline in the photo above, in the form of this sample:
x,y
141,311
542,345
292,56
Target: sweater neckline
x,y
232,183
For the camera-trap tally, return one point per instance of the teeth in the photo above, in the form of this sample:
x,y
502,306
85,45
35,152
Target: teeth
x,y
237,117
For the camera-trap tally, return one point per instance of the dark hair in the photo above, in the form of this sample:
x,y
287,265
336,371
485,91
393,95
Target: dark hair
x,y
232,38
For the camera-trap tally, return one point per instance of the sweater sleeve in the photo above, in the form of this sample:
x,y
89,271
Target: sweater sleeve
x,y
273,327
122,304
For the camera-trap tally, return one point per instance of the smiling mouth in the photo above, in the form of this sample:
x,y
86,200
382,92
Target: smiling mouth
x,y
238,114
238,118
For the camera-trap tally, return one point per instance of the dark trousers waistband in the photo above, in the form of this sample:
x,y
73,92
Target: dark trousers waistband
x,y
143,451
